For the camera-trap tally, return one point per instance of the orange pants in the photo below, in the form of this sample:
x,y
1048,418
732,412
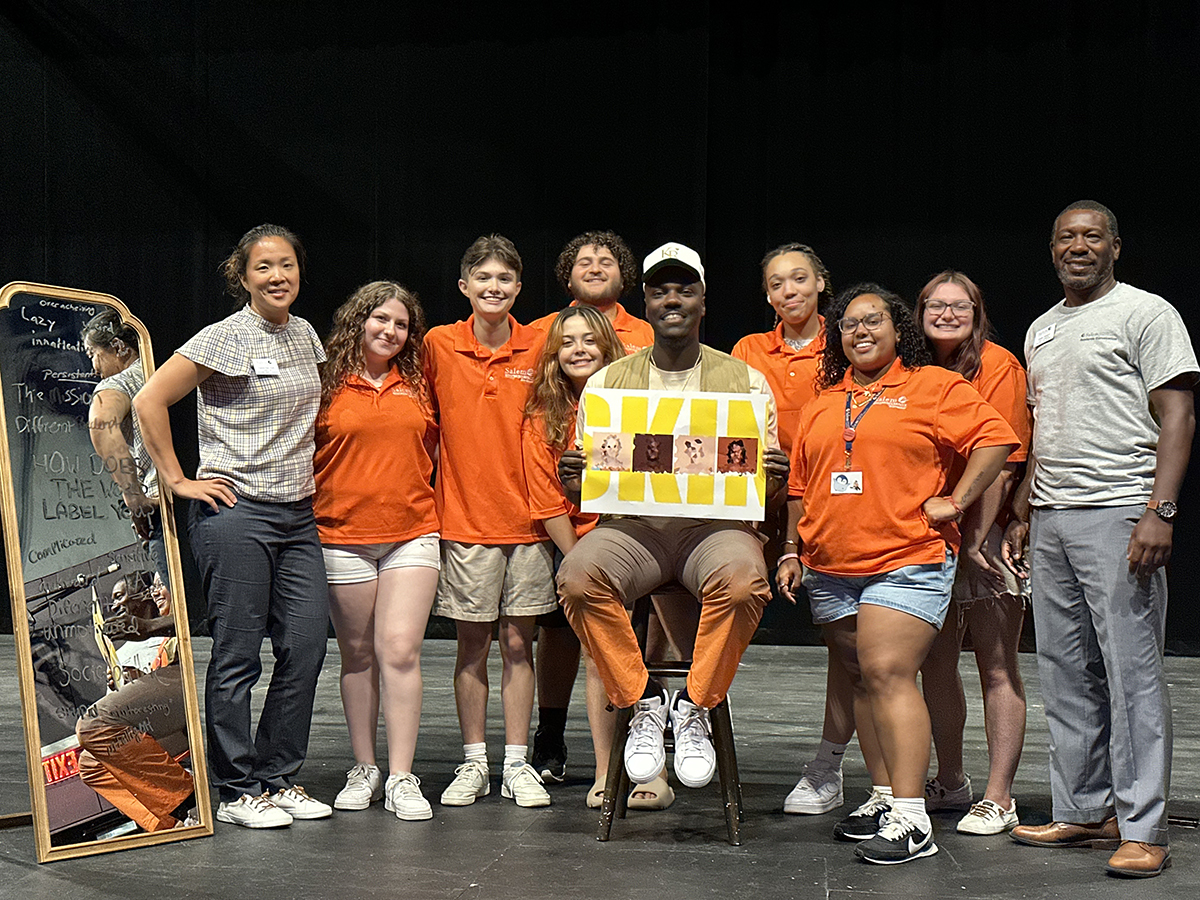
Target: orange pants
x,y
123,762
623,559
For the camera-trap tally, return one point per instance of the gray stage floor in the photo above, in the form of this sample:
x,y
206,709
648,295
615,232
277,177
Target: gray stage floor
x,y
496,850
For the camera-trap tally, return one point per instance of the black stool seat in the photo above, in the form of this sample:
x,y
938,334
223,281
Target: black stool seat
x,y
617,785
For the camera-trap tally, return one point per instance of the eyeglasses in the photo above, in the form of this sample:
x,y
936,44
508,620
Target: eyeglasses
x,y
958,307
872,322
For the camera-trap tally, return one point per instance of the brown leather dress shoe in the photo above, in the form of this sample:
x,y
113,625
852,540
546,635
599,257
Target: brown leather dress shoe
x,y
1102,835
1137,859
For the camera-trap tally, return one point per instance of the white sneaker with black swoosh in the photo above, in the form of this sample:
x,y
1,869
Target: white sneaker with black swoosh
x,y
898,840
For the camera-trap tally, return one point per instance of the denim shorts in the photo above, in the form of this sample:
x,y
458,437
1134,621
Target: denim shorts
x,y
922,591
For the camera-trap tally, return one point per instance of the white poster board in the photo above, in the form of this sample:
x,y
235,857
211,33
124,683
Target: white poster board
x,y
662,453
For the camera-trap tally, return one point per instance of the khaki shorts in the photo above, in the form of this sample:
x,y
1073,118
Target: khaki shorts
x,y
1013,586
482,582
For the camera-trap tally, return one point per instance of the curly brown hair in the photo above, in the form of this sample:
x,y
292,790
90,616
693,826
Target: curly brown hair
x,y
552,397
910,341
233,269
344,346
626,263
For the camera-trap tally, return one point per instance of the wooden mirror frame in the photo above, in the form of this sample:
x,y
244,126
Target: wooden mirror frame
x,y
79,567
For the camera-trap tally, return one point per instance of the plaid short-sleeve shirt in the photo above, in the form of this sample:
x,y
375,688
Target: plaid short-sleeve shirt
x,y
128,382
256,411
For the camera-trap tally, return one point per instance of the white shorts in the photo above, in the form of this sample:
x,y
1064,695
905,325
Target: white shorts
x,y
356,563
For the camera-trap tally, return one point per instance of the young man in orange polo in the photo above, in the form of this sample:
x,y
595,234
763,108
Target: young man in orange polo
x,y
496,562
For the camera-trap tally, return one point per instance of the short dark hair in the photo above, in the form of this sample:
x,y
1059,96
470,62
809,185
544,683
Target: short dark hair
x,y
490,246
910,340
1094,207
234,266
612,242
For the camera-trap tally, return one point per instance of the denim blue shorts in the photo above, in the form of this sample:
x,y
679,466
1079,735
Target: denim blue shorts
x,y
922,591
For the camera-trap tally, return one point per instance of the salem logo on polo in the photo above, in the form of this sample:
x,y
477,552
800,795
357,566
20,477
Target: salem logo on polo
x,y
900,402
525,375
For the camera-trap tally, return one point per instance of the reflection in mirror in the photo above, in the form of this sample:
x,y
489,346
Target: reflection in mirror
x,y
108,693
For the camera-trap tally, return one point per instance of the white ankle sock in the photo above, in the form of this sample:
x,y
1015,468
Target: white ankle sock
x,y
514,754
913,809
829,755
475,752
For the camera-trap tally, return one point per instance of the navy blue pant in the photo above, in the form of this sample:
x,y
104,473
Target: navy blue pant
x,y
263,575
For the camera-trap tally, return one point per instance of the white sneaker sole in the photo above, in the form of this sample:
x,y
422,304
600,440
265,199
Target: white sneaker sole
x,y
465,800
929,850
809,808
355,805
249,823
421,816
522,802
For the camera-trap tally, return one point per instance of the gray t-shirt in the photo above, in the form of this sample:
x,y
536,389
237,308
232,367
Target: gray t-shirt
x,y
129,381
1091,369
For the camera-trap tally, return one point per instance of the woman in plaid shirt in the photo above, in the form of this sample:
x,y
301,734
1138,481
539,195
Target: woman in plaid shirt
x,y
251,523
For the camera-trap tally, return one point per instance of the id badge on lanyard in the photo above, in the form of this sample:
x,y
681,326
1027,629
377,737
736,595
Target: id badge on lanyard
x,y
850,481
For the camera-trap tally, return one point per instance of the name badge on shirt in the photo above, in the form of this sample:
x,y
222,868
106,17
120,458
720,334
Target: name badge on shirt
x,y
265,366
845,483
1046,334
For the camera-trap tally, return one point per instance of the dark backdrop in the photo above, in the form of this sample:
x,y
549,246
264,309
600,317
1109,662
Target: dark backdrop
x,y
141,140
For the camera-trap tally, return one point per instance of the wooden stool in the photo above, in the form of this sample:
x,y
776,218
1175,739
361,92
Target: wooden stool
x,y
616,784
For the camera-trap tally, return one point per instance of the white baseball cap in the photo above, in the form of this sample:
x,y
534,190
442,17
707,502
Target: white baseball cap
x,y
672,254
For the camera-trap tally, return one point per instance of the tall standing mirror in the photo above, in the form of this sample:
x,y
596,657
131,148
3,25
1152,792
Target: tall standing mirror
x,y
108,694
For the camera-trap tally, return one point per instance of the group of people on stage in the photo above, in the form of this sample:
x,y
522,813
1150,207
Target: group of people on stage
x,y
398,470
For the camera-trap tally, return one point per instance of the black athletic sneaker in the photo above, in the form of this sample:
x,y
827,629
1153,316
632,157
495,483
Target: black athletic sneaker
x,y
549,755
863,823
898,841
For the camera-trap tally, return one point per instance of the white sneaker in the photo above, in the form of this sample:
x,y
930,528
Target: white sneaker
x,y
987,817
644,754
695,757
253,812
364,785
523,784
938,796
469,784
403,797
818,791
296,802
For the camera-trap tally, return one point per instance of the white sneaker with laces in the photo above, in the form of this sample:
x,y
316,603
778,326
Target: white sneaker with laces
x,y
695,756
469,784
644,754
364,785
938,796
523,784
818,791
253,812
987,817
295,802
403,796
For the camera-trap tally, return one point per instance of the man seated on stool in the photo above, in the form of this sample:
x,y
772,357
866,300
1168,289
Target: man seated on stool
x,y
623,558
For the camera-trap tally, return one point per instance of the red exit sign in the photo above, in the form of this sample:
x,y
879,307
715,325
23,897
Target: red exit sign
x,y
61,765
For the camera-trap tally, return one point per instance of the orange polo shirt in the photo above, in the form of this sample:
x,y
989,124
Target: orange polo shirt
x,y
905,447
1001,382
791,373
634,333
546,497
372,464
479,394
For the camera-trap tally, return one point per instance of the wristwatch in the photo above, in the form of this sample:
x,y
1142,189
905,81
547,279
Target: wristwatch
x,y
1165,509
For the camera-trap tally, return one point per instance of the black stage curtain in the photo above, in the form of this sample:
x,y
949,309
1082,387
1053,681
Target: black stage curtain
x,y
141,140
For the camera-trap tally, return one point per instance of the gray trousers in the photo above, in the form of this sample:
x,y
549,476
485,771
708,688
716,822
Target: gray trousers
x,y
263,575
1100,633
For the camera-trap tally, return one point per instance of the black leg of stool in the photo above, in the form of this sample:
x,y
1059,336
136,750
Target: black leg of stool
x,y
615,788
731,788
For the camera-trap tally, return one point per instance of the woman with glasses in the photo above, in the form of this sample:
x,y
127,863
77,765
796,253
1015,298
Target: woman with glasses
x,y
987,596
874,510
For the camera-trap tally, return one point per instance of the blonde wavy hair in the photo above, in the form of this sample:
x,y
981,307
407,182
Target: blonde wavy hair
x,y
344,346
552,397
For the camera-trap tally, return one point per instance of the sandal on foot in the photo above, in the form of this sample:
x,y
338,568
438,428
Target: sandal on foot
x,y
662,794
595,797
